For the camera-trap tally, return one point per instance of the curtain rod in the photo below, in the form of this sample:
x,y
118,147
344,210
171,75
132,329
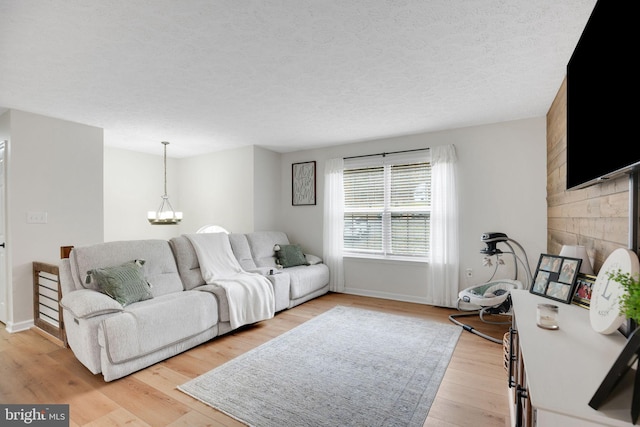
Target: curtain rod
x,y
384,154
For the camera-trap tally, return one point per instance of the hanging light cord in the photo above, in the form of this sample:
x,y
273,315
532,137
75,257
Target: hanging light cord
x,y
165,143
165,213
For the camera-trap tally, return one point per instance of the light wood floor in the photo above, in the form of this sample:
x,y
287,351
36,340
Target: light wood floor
x,y
34,370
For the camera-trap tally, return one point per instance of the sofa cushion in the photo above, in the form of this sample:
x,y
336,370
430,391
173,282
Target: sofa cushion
x,y
124,283
306,279
187,261
242,251
147,326
262,243
221,297
289,256
160,269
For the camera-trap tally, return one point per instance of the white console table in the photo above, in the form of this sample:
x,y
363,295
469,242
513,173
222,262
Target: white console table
x,y
558,371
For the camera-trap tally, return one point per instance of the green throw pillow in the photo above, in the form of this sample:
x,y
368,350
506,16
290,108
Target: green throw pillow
x,y
290,255
124,283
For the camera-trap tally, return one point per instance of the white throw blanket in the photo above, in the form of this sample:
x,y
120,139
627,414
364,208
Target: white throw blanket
x,y
250,295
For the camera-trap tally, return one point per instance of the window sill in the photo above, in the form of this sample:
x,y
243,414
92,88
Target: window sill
x,y
384,259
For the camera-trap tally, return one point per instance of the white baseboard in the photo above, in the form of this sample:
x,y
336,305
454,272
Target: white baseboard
x,y
19,326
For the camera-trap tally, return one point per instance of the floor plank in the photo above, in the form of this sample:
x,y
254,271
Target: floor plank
x,y
35,370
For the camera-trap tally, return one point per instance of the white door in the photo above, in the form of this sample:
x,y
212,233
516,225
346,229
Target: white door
x,y
3,260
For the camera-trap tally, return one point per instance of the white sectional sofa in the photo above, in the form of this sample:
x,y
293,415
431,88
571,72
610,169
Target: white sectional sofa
x,y
181,311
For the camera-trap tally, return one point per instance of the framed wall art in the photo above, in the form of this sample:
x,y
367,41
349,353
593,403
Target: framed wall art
x,y
303,183
556,277
584,286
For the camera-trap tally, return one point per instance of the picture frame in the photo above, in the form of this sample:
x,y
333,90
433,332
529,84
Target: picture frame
x,y
628,327
555,277
583,288
623,364
303,183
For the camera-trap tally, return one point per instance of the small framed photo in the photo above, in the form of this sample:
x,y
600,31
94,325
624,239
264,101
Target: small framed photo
x,y
628,327
555,277
303,183
614,378
584,286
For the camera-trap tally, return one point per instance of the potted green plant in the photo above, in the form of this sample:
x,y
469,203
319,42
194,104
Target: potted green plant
x,y
630,300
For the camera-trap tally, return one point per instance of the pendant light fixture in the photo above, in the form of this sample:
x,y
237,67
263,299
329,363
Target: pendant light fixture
x,y
165,215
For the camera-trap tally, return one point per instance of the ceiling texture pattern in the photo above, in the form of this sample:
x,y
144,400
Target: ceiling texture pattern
x,y
286,75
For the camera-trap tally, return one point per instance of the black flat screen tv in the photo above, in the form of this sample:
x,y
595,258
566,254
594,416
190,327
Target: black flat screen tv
x,y
603,120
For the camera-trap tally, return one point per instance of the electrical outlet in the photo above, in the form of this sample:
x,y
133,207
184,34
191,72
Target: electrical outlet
x,y
36,217
469,272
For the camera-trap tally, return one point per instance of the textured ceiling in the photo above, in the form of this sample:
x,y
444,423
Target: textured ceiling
x,y
286,75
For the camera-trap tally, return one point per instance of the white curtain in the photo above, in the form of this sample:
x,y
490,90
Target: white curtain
x,y
442,286
333,227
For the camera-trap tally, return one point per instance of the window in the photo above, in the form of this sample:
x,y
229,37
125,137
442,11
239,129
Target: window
x,y
211,229
387,206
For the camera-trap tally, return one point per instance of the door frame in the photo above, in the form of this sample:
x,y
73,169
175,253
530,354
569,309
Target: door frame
x,y
6,313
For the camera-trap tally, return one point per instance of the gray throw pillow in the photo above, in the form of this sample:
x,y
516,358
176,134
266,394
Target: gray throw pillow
x,y
124,283
290,256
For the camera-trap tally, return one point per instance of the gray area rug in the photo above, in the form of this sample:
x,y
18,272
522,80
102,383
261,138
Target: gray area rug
x,y
345,367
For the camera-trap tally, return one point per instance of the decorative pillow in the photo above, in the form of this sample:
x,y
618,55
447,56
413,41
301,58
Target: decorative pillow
x,y
312,259
290,255
124,283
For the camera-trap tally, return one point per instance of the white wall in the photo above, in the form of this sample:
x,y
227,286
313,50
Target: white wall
x,y
504,188
502,184
217,188
237,189
133,185
53,166
266,189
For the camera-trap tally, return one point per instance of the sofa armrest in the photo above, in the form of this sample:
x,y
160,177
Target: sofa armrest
x,y
214,289
85,303
312,259
281,289
266,271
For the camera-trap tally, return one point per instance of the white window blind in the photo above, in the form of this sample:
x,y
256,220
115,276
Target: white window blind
x,y
387,205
